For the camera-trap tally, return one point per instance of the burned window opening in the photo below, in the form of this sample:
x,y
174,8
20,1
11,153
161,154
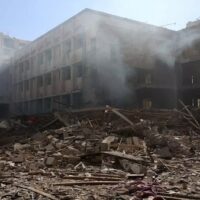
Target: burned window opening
x,y
27,85
47,105
48,56
78,70
148,79
66,100
40,59
66,73
67,46
40,81
48,79
78,41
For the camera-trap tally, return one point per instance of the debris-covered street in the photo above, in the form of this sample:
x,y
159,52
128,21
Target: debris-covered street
x,y
101,153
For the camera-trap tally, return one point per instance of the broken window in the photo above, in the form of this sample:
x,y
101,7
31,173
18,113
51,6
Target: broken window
x,y
27,85
147,103
78,41
148,79
48,79
40,59
47,105
21,68
48,56
26,107
66,73
26,65
78,69
39,104
58,74
21,87
57,53
66,100
39,81
32,83
77,99
67,46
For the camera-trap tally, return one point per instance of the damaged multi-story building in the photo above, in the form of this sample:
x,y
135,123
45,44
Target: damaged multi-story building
x,y
96,58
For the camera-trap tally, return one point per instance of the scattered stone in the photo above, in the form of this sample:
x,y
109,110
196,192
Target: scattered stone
x,y
59,145
50,148
50,161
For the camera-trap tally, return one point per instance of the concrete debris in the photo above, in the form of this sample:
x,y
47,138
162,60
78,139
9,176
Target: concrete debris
x,y
18,158
20,147
93,154
50,161
4,124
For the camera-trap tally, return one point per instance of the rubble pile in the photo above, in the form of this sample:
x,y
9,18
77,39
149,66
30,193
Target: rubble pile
x,y
101,153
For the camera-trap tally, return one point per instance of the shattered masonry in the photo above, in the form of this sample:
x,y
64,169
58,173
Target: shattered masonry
x,y
105,153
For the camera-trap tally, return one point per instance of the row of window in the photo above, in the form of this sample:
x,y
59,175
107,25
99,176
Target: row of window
x,y
46,79
47,55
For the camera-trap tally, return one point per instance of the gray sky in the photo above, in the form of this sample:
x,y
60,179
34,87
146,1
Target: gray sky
x,y
28,19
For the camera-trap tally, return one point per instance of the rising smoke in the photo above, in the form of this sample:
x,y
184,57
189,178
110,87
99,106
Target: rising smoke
x,y
123,47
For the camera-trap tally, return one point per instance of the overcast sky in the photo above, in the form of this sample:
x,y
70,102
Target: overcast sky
x,y
28,19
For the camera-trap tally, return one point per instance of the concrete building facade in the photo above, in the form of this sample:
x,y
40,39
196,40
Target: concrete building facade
x,y
93,59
